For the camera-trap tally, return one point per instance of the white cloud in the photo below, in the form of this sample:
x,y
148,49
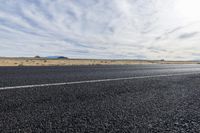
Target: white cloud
x,y
138,29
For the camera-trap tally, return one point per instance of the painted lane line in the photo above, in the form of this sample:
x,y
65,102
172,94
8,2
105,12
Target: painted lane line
x,y
95,81
32,86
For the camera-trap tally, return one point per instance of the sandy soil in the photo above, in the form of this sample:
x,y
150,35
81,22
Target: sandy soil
x,y
66,62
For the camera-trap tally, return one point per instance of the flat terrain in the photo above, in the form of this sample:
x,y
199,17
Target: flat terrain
x,y
106,98
70,62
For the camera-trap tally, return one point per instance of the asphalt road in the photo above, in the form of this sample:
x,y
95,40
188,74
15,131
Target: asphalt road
x,y
136,98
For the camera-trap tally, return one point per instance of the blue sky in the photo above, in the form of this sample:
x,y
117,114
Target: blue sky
x,y
125,29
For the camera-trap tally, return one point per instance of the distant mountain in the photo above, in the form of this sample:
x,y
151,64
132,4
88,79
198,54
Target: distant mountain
x,y
57,57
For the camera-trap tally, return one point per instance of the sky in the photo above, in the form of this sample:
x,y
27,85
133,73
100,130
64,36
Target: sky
x,y
103,29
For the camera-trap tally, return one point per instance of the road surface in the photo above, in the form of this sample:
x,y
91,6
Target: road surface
x,y
128,98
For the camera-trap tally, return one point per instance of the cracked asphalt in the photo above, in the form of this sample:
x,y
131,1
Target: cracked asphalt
x,y
159,104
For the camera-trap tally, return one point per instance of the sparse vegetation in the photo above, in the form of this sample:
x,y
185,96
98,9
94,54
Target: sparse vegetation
x,y
21,64
63,62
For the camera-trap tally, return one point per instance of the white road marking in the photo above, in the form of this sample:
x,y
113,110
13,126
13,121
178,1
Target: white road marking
x,y
94,81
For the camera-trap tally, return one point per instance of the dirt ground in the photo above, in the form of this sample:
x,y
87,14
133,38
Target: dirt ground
x,y
67,62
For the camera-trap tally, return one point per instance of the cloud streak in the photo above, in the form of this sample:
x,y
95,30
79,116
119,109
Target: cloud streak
x,y
133,29
188,35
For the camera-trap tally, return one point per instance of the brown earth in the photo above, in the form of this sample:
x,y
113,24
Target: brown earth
x,y
67,62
